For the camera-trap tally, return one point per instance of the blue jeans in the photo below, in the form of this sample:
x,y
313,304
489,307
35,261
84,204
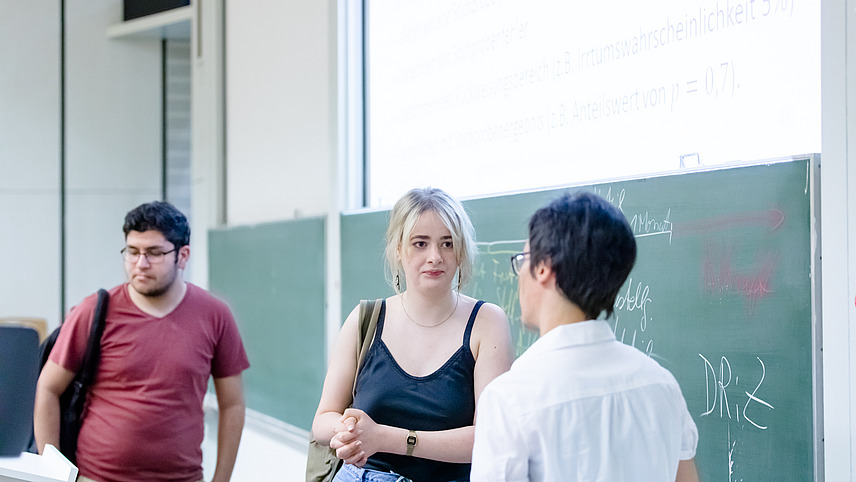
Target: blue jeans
x,y
351,473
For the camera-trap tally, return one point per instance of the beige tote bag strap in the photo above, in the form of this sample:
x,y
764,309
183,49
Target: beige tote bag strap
x,y
369,314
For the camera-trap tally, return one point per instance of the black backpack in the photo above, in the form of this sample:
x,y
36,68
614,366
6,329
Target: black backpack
x,y
71,402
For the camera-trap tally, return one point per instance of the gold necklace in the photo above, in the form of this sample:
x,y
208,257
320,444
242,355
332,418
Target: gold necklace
x,y
457,299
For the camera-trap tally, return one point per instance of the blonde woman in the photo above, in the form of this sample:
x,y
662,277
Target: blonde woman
x,y
434,351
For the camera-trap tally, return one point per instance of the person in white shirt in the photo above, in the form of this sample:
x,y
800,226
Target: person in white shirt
x,y
578,404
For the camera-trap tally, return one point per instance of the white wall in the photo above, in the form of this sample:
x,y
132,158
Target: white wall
x,y
838,234
113,141
112,149
207,133
29,159
280,108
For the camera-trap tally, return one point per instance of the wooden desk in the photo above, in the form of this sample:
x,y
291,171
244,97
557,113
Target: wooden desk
x,y
52,466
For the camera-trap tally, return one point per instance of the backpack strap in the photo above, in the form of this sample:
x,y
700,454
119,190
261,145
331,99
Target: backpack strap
x,y
73,399
369,314
89,367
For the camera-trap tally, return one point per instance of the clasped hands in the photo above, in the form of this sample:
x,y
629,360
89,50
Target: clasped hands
x,y
354,437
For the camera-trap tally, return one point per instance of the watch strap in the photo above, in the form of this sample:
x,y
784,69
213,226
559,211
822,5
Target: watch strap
x,y
411,442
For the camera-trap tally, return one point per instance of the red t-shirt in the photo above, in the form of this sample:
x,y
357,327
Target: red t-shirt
x,y
144,419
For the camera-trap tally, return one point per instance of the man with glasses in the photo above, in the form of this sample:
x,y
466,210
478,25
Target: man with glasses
x,y
578,404
162,340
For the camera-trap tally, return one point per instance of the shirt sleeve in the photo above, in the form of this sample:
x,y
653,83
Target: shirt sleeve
x,y
73,337
499,450
230,357
689,437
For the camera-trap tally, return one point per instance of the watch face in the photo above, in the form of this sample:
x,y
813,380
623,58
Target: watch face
x,y
411,440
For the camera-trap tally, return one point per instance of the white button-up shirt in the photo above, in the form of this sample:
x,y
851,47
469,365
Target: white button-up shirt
x,y
579,405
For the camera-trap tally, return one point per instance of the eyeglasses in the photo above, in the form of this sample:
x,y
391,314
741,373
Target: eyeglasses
x,y
153,257
517,262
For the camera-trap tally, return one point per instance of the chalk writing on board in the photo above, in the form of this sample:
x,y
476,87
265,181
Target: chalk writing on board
x,y
770,219
722,385
635,338
634,299
616,198
718,386
644,223
721,276
501,285
731,446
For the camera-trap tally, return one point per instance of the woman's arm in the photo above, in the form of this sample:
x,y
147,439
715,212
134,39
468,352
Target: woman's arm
x,y
337,393
368,438
491,343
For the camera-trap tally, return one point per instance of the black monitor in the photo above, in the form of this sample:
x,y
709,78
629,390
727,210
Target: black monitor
x,y
19,371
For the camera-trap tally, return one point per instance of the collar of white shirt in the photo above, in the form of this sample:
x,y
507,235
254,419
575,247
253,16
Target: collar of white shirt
x,y
572,334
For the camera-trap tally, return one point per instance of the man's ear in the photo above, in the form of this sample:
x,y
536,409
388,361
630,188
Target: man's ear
x,y
544,273
183,256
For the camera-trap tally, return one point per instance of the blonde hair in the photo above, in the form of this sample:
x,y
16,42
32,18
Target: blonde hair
x,y
403,218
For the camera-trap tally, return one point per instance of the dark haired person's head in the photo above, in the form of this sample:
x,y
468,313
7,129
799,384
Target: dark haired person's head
x,y
588,244
159,216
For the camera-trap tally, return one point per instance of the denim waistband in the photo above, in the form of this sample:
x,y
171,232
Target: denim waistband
x,y
351,473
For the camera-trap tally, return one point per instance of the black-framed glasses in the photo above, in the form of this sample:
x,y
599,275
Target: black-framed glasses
x,y
517,262
132,255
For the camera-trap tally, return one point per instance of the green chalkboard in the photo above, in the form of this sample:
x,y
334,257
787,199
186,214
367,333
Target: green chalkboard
x,y
721,295
272,276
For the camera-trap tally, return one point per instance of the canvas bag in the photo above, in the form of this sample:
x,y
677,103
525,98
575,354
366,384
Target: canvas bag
x,y
321,461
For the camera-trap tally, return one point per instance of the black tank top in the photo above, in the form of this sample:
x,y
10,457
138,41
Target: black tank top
x,y
442,400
